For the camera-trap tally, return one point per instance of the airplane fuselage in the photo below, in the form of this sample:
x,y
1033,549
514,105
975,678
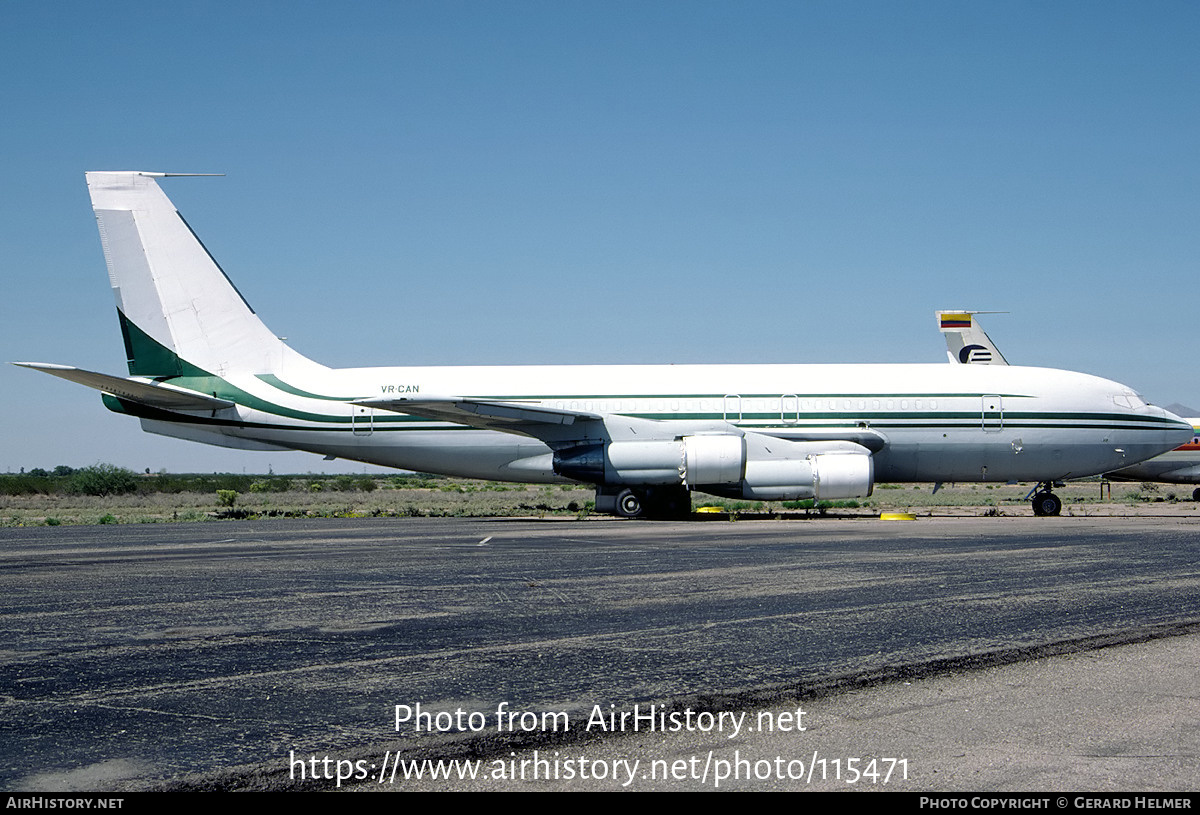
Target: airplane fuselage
x,y
921,422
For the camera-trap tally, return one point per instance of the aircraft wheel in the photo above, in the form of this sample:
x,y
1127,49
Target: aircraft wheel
x,y
668,503
629,504
1046,504
1196,494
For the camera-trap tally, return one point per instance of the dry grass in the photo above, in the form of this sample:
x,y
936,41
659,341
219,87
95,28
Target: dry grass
x,y
453,498
457,497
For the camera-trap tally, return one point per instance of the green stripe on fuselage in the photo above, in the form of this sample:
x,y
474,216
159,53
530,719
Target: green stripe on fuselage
x,y
149,358
279,384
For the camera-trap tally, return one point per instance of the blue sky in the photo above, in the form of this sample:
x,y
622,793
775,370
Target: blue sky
x,y
574,182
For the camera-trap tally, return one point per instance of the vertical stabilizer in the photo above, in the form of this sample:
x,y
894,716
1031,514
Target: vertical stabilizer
x,y
966,341
178,310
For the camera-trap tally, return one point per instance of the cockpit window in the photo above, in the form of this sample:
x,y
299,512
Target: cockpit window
x,y
1129,399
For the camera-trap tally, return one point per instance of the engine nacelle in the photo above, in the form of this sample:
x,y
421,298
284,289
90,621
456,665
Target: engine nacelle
x,y
720,464
716,459
692,460
623,462
825,476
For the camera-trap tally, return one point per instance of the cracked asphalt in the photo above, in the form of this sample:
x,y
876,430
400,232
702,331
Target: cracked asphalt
x,y
208,656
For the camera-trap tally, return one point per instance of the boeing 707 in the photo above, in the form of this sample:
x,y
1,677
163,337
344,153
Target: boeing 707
x,y
203,366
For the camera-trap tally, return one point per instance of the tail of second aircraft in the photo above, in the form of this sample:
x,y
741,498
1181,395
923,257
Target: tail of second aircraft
x,y
179,313
966,341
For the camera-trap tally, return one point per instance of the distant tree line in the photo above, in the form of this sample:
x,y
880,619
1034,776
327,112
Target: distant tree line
x,y
107,479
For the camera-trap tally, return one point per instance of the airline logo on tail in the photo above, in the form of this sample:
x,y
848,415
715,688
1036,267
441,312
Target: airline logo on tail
x,y
966,342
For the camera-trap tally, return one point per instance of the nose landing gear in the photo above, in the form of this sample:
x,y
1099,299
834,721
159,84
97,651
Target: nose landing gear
x,y
1046,503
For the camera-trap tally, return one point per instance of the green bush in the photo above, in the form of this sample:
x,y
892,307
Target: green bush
x,y
102,479
25,485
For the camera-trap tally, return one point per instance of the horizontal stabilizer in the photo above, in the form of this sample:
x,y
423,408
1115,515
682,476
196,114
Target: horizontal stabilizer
x,y
135,389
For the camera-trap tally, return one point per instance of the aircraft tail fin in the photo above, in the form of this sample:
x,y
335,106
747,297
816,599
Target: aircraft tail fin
x,y
178,310
966,341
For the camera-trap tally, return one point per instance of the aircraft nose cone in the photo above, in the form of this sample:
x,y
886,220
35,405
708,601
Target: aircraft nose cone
x,y
1186,432
1179,431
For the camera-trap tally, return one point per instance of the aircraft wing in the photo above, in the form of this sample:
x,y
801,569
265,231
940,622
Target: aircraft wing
x,y
871,439
549,424
492,414
135,388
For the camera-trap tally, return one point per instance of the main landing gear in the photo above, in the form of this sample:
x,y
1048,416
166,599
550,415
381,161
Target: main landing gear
x,y
663,503
1046,503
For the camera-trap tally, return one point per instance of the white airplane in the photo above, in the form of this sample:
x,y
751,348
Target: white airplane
x,y
966,342
203,367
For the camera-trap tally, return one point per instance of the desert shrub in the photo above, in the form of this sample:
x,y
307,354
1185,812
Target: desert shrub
x,y
102,479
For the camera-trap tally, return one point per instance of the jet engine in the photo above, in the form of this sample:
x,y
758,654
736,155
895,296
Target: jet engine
x,y
737,466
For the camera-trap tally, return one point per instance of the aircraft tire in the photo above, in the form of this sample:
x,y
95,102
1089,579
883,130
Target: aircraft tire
x,y
668,503
1196,494
629,504
1046,504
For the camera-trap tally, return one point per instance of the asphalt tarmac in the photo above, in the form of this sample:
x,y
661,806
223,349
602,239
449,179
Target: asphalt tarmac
x,y
261,654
